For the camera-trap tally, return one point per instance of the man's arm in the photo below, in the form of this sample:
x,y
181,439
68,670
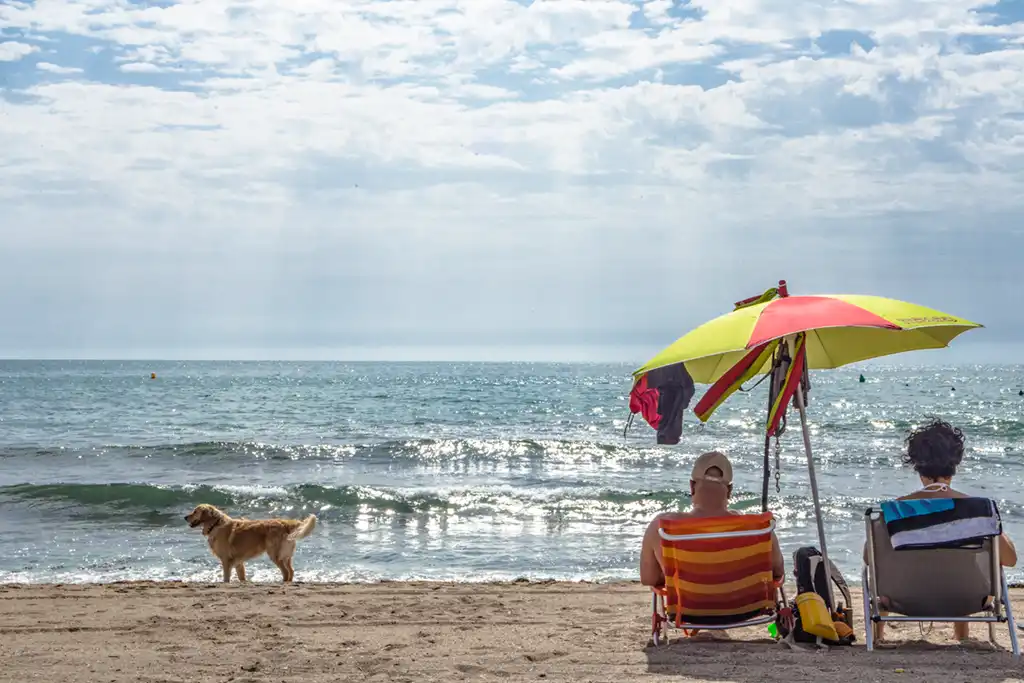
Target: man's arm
x,y
650,566
778,562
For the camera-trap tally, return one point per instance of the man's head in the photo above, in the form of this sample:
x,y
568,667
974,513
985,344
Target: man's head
x,y
711,481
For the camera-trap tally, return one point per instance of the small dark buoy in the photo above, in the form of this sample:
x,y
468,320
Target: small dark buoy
x,y
862,380
1021,392
952,388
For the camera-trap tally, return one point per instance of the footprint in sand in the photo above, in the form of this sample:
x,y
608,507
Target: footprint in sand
x,y
538,657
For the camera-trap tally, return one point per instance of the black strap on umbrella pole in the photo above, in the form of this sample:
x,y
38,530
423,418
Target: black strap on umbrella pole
x,y
780,361
767,474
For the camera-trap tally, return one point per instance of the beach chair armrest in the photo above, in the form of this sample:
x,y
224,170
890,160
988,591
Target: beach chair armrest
x,y
779,584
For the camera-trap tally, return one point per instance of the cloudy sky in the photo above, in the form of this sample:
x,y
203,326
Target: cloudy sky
x,y
572,178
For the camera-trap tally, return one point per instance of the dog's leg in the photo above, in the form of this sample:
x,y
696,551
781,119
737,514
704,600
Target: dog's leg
x,y
227,571
281,564
240,570
280,558
283,560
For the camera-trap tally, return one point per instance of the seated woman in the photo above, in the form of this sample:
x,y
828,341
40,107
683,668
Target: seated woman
x,y
934,451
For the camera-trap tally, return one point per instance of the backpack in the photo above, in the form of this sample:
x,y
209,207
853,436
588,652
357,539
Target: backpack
x,y
816,620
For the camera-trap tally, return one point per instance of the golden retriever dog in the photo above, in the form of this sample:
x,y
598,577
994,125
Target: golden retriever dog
x,y
235,541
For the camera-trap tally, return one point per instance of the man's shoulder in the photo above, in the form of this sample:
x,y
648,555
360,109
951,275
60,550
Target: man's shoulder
x,y
692,514
673,515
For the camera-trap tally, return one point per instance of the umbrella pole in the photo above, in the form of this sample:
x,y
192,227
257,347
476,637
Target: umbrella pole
x,y
802,407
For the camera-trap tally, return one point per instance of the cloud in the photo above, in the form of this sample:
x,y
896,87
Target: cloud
x,y
57,69
141,68
12,50
557,172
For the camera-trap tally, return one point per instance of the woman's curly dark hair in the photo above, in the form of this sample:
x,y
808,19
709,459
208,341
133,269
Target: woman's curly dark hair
x,y
935,449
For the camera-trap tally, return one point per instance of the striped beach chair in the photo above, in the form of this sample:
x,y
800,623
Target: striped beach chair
x,y
718,575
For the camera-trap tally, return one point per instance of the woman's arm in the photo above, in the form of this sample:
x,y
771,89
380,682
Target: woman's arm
x,y
1007,551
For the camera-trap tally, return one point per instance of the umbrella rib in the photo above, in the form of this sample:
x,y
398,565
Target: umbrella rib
x,y
718,365
821,345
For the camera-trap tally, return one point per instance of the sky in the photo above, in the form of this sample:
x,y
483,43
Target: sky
x,y
573,179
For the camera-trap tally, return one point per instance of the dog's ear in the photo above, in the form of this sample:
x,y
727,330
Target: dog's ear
x,y
210,517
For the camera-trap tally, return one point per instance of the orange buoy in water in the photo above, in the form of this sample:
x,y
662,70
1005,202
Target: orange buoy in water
x,y
152,375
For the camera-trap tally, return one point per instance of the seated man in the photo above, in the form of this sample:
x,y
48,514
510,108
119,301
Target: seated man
x,y
935,451
710,488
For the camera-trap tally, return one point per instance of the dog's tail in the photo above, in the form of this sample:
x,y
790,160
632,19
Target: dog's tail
x,y
304,529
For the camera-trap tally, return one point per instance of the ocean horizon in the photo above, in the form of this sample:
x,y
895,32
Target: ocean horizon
x,y
963,353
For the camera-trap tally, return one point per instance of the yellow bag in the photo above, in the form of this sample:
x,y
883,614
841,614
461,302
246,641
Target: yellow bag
x,y
842,628
814,616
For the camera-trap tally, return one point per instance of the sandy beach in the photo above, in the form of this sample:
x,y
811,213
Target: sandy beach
x,y
186,632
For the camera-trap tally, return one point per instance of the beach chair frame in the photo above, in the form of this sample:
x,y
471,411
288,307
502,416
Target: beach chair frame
x,y
999,611
661,624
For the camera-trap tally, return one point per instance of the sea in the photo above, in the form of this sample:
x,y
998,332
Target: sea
x,y
443,471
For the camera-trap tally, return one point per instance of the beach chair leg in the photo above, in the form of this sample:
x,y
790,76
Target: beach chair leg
x,y
1010,621
869,623
659,622
655,621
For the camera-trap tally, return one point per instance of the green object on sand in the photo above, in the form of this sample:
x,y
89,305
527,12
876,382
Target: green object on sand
x,y
773,630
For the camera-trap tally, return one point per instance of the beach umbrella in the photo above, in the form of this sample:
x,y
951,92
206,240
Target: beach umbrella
x,y
781,337
841,329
